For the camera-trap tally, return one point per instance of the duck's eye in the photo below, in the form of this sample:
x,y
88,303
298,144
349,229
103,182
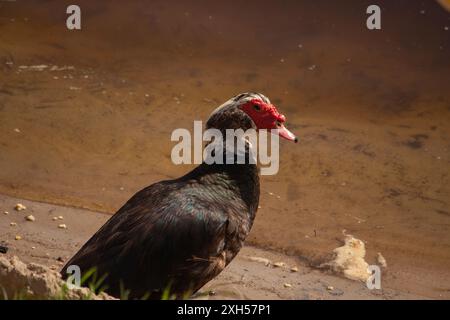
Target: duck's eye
x,y
257,107
278,123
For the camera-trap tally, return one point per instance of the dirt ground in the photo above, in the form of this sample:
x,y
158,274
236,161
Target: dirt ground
x,y
251,275
86,117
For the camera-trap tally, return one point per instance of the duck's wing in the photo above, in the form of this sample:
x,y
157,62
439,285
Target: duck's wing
x,y
162,238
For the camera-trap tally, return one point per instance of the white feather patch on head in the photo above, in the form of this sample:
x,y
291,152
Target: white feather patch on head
x,y
241,99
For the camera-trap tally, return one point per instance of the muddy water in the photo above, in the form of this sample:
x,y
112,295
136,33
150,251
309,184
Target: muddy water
x,y
371,109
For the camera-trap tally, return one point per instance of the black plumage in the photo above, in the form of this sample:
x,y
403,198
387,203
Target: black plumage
x,y
177,234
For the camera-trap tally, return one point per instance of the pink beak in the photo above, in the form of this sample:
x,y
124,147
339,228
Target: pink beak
x,y
286,134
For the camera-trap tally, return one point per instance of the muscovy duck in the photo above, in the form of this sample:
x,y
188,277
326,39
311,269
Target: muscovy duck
x,y
176,235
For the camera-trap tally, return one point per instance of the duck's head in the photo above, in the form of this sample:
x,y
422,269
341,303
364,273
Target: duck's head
x,y
250,110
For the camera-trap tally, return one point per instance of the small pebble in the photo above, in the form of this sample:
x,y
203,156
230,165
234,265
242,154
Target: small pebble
x,y
13,224
55,218
6,212
18,237
62,226
20,207
381,260
294,269
33,248
287,285
30,218
336,292
279,264
17,130
260,259
330,288
60,217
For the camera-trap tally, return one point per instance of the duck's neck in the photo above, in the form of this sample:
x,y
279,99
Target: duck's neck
x,y
242,179
238,180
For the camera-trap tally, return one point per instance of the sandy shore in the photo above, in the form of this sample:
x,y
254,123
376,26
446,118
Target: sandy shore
x,y
247,277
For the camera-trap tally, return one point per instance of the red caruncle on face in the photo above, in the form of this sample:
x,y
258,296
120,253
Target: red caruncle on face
x,y
266,116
